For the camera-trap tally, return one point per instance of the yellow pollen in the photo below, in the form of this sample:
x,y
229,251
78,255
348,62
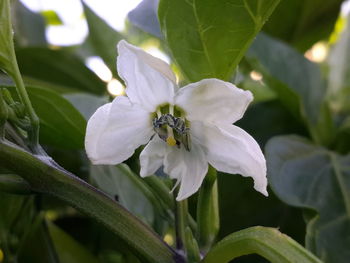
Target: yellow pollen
x,y
171,141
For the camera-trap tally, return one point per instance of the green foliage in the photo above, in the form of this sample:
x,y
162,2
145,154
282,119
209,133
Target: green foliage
x,y
297,82
339,71
59,68
208,39
61,125
303,23
311,177
103,38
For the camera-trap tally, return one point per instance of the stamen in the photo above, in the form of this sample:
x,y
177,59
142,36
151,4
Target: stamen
x,y
159,113
170,140
171,109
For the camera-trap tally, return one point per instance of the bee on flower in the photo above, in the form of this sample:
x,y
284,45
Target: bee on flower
x,y
184,129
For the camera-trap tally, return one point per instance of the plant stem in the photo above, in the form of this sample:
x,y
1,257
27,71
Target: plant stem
x,y
44,176
266,242
208,211
181,224
21,90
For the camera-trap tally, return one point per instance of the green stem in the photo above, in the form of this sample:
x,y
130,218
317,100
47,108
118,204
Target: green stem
x,y
266,242
181,224
46,177
208,211
21,90
163,192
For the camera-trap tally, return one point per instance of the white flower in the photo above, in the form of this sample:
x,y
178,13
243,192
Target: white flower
x,y
184,129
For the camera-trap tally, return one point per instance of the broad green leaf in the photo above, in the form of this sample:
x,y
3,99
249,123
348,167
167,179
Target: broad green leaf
x,y
29,27
103,38
6,42
339,71
208,38
297,82
59,67
69,250
264,241
311,177
61,125
144,16
86,103
118,183
303,23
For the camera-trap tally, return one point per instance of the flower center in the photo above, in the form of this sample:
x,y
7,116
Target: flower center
x,y
172,128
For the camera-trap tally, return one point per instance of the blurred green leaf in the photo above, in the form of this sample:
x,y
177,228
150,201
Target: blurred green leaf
x,y
29,27
297,82
303,23
145,17
308,176
86,103
339,71
59,67
37,246
117,182
61,125
51,18
207,38
69,250
103,38
12,183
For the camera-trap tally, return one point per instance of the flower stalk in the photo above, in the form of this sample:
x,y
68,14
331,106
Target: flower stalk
x,y
208,211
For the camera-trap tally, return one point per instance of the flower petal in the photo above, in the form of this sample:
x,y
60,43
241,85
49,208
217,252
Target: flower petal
x,y
152,156
149,80
214,101
189,168
115,130
231,150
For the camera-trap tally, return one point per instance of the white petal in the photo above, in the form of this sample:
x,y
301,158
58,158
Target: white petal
x,y
152,156
187,167
214,101
115,130
149,80
231,150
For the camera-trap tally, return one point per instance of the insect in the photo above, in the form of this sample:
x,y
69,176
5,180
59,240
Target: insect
x,y
181,132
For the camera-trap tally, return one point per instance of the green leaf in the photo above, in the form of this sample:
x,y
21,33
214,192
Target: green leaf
x,y
29,27
61,125
303,23
104,38
69,250
86,103
267,242
208,38
312,177
144,16
339,71
59,67
120,183
297,82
